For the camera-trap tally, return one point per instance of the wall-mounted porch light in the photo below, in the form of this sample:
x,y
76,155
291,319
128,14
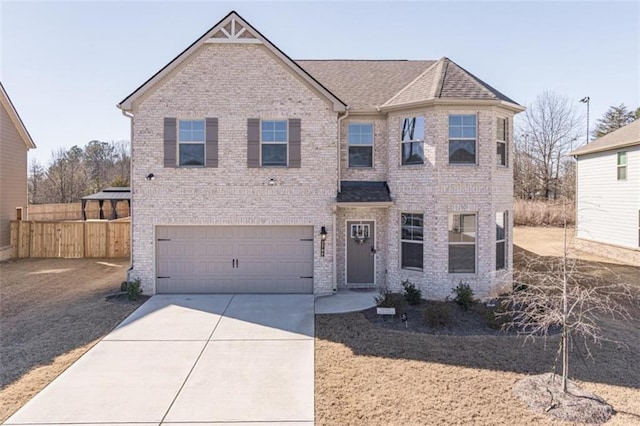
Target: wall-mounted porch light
x,y
323,238
150,176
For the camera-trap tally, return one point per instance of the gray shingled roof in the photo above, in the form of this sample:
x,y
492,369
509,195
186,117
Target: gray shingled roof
x,y
628,135
367,84
363,192
111,193
364,84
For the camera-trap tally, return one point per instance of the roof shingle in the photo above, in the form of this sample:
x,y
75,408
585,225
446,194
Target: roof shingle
x,y
363,192
628,135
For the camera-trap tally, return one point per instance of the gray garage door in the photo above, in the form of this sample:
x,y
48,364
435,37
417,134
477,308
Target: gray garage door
x,y
234,259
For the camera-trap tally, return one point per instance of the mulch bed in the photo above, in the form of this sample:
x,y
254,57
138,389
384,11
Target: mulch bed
x,y
440,318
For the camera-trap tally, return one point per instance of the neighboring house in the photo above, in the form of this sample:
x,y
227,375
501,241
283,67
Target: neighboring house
x,y
253,172
15,141
608,194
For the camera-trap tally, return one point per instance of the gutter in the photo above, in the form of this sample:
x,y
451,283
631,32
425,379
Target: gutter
x,y
130,117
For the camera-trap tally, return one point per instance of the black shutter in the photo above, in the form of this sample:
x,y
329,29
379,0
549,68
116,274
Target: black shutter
x,y
253,142
211,142
170,135
295,148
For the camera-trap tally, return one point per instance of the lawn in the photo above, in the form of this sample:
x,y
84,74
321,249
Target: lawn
x,y
53,310
368,375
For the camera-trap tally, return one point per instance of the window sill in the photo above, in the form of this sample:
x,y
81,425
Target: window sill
x,y
463,164
412,269
360,168
463,274
411,164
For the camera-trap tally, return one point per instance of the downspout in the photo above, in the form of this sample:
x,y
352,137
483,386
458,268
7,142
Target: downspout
x,y
130,116
335,208
346,114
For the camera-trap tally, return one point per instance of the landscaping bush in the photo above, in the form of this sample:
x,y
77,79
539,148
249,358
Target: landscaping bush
x,y
437,315
133,289
386,299
412,293
464,296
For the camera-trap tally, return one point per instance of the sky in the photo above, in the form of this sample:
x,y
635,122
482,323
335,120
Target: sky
x,y
67,64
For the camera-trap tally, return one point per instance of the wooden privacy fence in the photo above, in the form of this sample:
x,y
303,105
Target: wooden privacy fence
x,y
73,211
70,239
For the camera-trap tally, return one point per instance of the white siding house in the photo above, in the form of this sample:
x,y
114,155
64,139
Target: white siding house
x,y
608,194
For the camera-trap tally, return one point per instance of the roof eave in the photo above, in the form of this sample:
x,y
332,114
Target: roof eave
x,y
578,152
364,203
17,120
454,102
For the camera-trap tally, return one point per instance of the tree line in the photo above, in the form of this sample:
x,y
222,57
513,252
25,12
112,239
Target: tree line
x,y
545,133
75,172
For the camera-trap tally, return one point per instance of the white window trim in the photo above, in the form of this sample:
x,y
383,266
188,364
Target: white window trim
x,y
424,124
373,135
475,140
204,143
621,166
505,218
286,120
475,244
505,141
412,242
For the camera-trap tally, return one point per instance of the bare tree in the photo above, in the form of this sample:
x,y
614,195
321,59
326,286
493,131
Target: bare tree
x,y
67,181
547,131
562,294
35,180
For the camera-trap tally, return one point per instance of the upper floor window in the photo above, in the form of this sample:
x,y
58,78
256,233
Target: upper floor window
x,y
273,142
462,139
622,165
462,243
360,144
412,246
191,142
413,140
501,152
501,240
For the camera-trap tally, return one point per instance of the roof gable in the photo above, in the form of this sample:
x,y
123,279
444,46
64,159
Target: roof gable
x,y
15,118
628,135
446,80
232,29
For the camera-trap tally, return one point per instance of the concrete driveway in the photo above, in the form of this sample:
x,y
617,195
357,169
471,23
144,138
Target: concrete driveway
x,y
187,359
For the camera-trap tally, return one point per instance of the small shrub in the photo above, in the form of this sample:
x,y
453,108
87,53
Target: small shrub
x,y
464,296
495,316
134,290
411,293
437,315
381,298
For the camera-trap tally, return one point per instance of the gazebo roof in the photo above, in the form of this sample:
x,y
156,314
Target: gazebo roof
x,y
113,193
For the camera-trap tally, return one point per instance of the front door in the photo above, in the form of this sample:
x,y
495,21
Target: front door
x,y
360,252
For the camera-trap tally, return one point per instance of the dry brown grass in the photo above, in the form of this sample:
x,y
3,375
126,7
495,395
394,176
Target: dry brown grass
x,y
366,375
52,311
543,213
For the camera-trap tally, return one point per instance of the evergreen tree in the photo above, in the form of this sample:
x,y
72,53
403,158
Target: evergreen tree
x,y
613,119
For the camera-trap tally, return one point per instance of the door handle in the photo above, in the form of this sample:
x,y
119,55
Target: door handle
x,y
237,263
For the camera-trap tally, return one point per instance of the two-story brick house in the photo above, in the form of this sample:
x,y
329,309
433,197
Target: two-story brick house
x,y
252,172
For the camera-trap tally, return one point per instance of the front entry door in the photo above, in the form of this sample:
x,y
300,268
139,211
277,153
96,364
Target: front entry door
x,y
360,252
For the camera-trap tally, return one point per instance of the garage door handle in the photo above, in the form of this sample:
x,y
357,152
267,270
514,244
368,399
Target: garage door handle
x,y
306,277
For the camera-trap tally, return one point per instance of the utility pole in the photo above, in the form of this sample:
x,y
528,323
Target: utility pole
x,y
586,100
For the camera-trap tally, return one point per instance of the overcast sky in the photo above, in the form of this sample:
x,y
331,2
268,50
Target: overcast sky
x,y
66,65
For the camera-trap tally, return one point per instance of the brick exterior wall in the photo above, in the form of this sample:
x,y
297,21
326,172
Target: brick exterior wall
x,y
435,189
234,82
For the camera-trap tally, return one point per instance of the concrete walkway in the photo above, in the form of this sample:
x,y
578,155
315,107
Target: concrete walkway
x,y
192,359
346,301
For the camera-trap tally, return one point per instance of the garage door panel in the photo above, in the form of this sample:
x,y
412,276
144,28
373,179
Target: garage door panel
x,y
200,259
